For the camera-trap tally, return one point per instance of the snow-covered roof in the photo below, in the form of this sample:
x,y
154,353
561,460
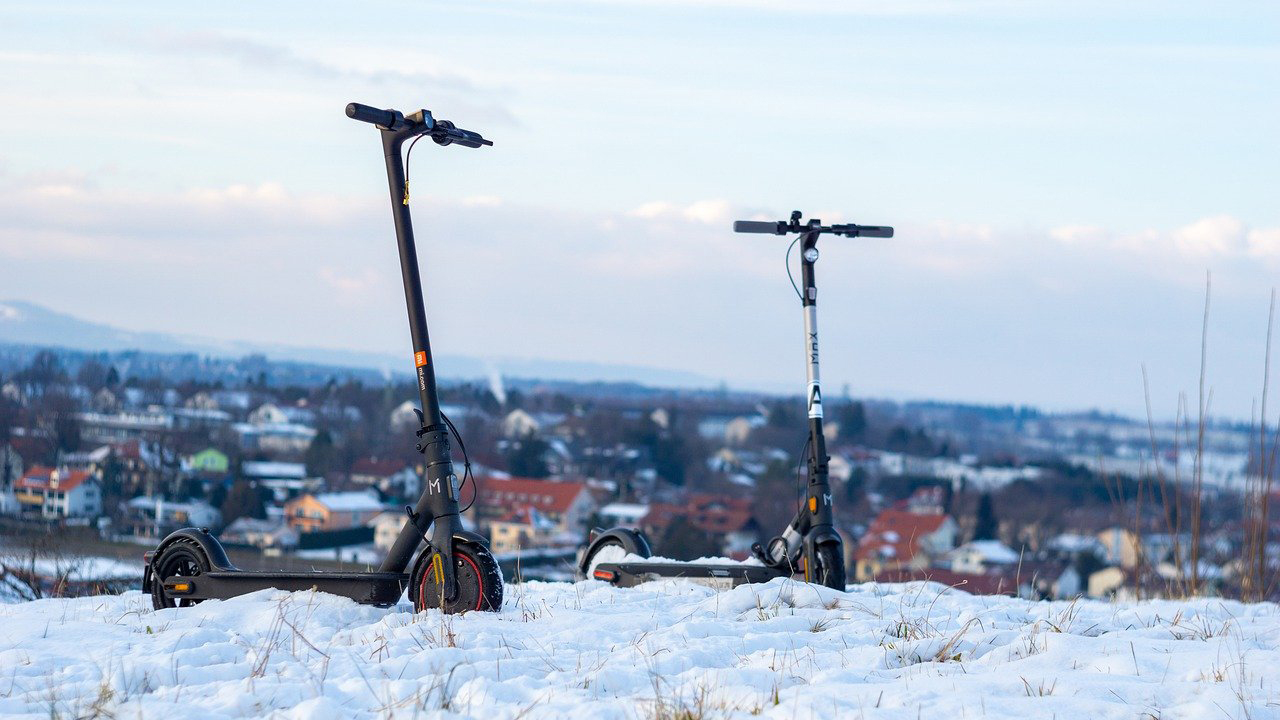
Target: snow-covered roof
x,y
262,469
349,501
991,551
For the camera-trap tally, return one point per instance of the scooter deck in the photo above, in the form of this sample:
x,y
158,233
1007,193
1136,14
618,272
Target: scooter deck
x,y
722,575
368,588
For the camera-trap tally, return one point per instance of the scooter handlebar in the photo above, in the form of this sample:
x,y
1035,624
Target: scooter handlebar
x,y
874,231
753,226
364,113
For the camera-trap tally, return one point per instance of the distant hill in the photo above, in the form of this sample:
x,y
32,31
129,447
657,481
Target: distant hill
x,y
24,323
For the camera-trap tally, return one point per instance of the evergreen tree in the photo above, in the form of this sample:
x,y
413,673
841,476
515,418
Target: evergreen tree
x,y
986,526
243,500
682,540
525,457
320,454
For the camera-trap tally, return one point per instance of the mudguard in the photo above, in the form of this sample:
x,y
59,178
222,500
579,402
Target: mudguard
x,y
633,541
218,560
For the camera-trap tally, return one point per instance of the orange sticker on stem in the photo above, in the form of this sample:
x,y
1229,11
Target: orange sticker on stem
x,y
419,359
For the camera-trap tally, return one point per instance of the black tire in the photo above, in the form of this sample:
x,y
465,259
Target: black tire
x,y
181,558
829,566
479,582
590,560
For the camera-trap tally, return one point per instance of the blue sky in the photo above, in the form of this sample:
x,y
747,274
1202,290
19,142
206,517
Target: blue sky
x,y
1062,176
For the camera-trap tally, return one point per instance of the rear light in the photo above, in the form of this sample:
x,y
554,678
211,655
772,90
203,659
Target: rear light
x,y
178,588
605,575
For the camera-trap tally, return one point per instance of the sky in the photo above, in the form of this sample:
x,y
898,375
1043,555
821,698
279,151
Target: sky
x,y
1063,177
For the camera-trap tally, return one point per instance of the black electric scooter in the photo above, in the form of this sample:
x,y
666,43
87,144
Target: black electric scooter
x,y
810,545
455,571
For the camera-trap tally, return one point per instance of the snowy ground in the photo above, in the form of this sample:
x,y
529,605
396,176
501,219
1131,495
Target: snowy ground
x,y
585,650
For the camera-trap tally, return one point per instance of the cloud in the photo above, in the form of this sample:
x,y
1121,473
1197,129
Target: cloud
x,y
1058,316
1208,240
466,96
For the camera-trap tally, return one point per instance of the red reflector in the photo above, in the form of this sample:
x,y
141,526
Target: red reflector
x,y
606,575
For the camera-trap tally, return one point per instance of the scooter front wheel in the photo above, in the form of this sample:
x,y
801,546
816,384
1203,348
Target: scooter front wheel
x,y
479,582
828,566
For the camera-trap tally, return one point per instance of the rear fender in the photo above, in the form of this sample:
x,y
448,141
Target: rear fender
x,y
633,541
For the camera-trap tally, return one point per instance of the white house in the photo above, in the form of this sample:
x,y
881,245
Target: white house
x,y
156,517
978,556
59,493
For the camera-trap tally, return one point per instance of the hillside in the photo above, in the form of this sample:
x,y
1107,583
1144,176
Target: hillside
x,y
780,650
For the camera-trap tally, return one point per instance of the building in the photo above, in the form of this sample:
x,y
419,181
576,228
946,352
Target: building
x,y
727,518
899,539
265,534
331,511
525,528
393,477
386,528
568,505
58,493
979,556
285,480
209,462
156,517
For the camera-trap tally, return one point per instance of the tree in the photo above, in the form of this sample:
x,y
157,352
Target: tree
x,y
320,454
986,526
852,419
243,500
682,540
525,457
45,369
92,374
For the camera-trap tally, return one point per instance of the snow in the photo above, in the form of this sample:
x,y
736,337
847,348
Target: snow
x,y
778,650
354,501
991,551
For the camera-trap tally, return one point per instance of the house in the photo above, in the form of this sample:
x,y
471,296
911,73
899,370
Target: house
x,y
525,528
58,493
1120,546
519,423
567,504
386,528
618,514
285,480
393,477
901,539
331,511
979,556
156,517
265,534
726,517
274,437
404,418
209,462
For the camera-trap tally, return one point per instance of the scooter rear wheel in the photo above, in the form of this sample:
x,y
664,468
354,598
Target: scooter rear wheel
x,y
181,558
479,582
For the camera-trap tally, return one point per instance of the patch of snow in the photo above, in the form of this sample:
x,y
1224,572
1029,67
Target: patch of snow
x,y
666,649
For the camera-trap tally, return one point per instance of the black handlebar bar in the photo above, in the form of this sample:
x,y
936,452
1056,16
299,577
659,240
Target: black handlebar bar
x,y
875,231
753,226
442,132
813,226
372,115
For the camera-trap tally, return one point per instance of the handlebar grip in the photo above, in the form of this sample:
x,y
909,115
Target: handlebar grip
x,y
874,231
364,113
753,226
